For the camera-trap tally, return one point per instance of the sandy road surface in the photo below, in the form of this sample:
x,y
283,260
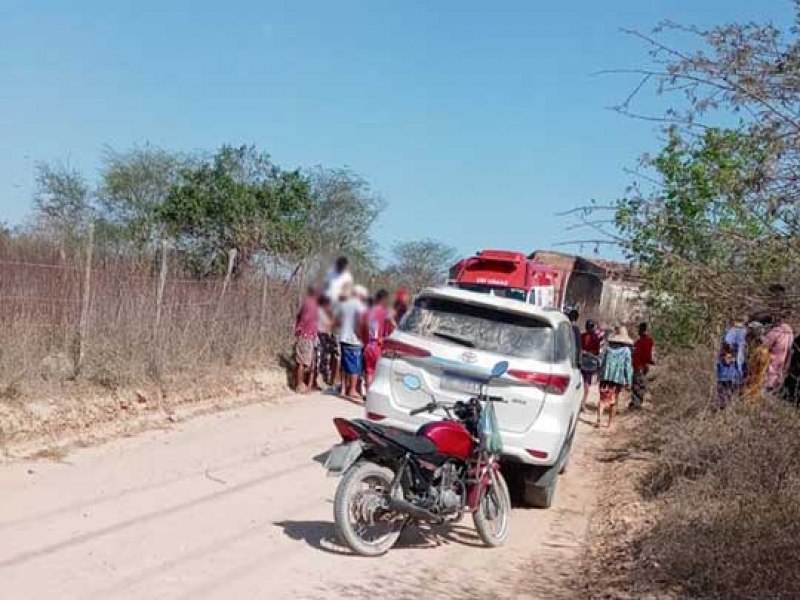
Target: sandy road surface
x,y
233,505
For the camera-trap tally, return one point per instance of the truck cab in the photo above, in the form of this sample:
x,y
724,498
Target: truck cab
x,y
508,275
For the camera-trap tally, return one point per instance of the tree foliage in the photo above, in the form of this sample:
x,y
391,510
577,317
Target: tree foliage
x,y
421,263
135,184
239,199
286,222
713,218
344,211
62,200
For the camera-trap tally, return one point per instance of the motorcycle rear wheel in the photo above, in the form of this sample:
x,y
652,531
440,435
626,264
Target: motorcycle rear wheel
x,y
356,510
494,512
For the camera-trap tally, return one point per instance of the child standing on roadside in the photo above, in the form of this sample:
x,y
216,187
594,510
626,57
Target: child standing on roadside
x,y
590,346
326,343
377,322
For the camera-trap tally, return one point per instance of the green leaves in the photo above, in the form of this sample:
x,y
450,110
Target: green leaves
x,y
702,236
206,205
421,263
345,208
62,201
239,200
134,185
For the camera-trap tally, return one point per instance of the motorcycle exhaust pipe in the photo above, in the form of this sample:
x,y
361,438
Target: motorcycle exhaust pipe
x,y
416,512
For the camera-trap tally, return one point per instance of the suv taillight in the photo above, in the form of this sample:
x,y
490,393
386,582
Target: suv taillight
x,y
395,349
552,384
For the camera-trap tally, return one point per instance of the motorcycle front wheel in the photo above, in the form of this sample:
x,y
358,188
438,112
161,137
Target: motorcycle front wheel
x,y
494,512
362,522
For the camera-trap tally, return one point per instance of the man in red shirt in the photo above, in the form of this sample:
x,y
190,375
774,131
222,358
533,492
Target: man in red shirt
x,y
377,321
642,360
305,333
590,345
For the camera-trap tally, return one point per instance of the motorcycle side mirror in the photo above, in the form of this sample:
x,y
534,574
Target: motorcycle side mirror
x,y
499,369
412,382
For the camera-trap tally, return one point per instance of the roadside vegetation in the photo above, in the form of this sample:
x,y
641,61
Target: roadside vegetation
x,y
171,276
703,503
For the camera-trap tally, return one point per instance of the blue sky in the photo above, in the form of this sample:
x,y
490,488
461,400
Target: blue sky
x,y
476,121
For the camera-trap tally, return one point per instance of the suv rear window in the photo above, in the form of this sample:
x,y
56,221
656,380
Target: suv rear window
x,y
480,327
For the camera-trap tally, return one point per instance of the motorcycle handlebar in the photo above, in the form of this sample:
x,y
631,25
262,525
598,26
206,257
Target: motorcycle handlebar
x,y
496,399
422,409
434,405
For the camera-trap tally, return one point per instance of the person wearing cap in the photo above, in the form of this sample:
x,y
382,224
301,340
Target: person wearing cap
x,y
590,346
349,321
616,374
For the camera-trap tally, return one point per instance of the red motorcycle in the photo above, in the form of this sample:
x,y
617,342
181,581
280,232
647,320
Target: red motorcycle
x,y
392,479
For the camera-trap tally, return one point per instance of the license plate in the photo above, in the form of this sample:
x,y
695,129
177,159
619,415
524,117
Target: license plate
x,y
342,457
457,383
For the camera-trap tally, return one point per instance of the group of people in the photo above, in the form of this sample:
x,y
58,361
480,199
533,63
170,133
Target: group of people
x,y
618,362
340,330
753,360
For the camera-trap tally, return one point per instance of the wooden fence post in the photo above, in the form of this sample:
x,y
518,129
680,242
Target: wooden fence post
x,y
86,299
162,281
64,309
221,302
226,283
263,302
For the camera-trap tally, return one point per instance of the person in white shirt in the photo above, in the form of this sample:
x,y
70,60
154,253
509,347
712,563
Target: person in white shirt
x,y
339,280
337,285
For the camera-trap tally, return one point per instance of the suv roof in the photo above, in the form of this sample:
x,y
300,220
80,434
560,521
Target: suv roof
x,y
551,316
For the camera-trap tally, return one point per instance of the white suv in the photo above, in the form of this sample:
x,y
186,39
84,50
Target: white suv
x,y
450,337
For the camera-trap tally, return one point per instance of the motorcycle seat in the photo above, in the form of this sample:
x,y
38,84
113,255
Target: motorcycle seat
x,y
413,443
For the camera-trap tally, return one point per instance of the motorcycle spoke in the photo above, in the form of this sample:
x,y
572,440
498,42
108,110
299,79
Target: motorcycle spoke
x,y
371,522
493,509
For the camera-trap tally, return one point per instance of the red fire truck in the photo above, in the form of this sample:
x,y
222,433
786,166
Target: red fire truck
x,y
510,275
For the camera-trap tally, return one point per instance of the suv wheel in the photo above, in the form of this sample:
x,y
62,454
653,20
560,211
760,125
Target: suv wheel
x,y
539,486
540,497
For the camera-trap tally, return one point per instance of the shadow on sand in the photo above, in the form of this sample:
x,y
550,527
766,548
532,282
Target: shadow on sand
x,y
321,535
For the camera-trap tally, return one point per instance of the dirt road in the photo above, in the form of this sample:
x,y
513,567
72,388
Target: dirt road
x,y
234,505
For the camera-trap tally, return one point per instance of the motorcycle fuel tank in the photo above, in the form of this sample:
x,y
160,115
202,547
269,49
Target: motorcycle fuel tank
x,y
450,438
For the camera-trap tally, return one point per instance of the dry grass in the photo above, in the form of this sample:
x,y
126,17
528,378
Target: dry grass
x,y
712,510
202,335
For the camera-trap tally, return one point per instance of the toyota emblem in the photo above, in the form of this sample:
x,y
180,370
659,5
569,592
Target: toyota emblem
x,y
469,357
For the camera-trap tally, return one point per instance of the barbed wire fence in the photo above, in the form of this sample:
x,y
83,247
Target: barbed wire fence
x,y
114,321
